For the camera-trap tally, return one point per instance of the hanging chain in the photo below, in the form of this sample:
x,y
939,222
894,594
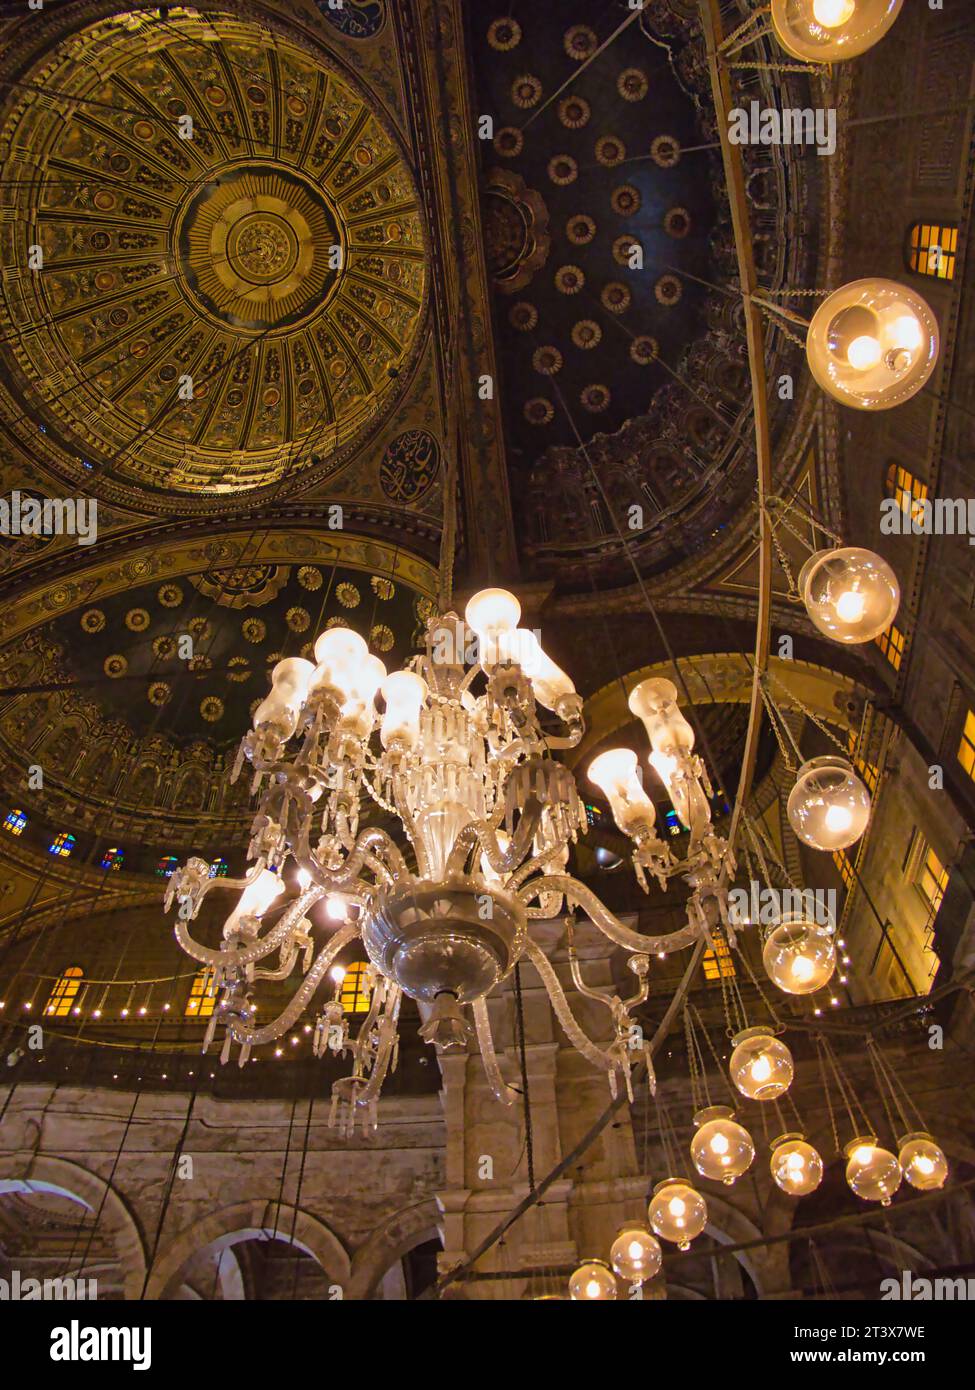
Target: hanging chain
x,y
776,720
882,1088
824,1087
808,713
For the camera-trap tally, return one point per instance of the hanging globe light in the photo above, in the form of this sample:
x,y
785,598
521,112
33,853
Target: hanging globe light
x,y
873,1173
829,806
872,344
677,1212
850,594
761,1066
799,955
721,1149
796,1166
635,1254
829,31
593,1282
922,1161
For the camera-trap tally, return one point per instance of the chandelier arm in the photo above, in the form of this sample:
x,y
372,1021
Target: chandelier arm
x,y
241,1033
592,1053
409,824
177,881
388,1026
246,955
607,923
501,861
506,1094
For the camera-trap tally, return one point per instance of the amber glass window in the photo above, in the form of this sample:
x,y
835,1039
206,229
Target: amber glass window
x,y
933,249
64,992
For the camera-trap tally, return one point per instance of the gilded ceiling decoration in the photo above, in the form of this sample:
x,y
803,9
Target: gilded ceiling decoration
x,y
234,263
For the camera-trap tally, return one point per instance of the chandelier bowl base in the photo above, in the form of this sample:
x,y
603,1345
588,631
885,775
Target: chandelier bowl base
x,y
458,936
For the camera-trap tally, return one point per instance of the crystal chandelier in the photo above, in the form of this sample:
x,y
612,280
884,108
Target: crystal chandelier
x,y
485,820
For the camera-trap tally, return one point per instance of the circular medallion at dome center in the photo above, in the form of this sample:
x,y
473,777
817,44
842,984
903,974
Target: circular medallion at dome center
x,y
260,248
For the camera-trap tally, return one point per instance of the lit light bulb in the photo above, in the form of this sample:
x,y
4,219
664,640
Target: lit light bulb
x,y
872,344
799,955
721,1149
761,1066
337,974
838,818
863,353
829,806
832,13
635,1254
796,1167
549,682
677,1212
593,1282
872,1173
851,606
850,594
335,908
829,31
923,1163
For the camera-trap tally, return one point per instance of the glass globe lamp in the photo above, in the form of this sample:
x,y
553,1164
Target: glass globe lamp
x,y
829,806
873,1173
635,1254
796,1166
593,1282
922,1161
615,774
872,344
761,1066
850,594
799,955
721,1149
677,1212
830,31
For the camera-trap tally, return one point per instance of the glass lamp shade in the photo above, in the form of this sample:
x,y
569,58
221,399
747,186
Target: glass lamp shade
x,y
761,1066
796,1166
872,1173
290,681
255,899
549,682
593,1282
635,1254
829,806
850,594
655,702
490,613
340,646
799,955
404,693
614,773
721,1149
872,344
677,1212
922,1161
830,31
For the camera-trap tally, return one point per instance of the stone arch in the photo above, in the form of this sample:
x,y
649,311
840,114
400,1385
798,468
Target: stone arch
x,y
248,1221
725,677
400,1233
43,1173
729,1226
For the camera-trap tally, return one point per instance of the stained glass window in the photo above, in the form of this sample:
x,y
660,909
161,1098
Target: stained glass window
x,y
14,821
61,845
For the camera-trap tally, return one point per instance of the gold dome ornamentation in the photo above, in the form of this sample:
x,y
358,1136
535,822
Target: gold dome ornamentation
x,y
211,708
298,619
383,588
310,578
92,621
137,620
237,295
115,666
347,594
